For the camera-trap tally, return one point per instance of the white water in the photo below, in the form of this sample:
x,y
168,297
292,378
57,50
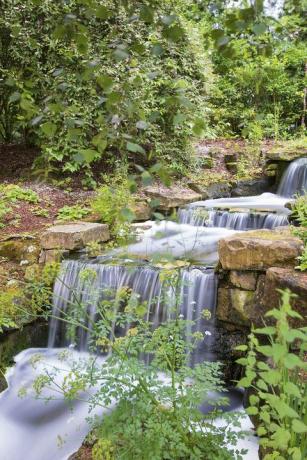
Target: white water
x,y
294,180
245,213
180,241
35,430
196,292
231,220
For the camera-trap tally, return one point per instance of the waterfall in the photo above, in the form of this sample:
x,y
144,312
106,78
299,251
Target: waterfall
x,y
294,180
197,292
231,220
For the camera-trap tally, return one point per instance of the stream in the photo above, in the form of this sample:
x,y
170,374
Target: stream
x,y
38,430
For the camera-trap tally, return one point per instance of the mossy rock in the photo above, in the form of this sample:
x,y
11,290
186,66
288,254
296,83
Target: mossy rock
x,y
20,250
287,151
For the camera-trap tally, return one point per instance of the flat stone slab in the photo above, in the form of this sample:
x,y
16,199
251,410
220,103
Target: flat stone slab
x,y
171,197
74,236
259,250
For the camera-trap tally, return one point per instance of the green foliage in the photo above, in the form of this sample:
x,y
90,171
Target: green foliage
x,y
303,260
276,375
86,86
299,212
4,210
72,213
10,194
113,202
259,65
161,398
13,193
9,312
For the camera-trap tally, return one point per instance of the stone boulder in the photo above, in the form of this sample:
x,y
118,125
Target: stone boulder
x,y
259,250
212,191
234,306
251,187
243,280
171,197
285,278
74,236
142,211
20,249
285,152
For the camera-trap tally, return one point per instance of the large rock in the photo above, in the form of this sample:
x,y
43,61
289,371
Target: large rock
x,y
243,280
286,152
285,278
234,306
20,249
74,236
251,187
212,191
259,250
171,197
142,211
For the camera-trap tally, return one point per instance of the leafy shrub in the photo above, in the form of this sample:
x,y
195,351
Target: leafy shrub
x,y
71,213
90,83
9,313
279,390
112,203
299,210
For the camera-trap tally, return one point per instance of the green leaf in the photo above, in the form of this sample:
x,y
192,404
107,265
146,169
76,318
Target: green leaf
x,y
292,360
241,348
298,426
89,155
283,409
127,214
259,28
272,377
14,97
178,119
147,14
253,400
266,330
135,148
105,82
199,126
252,410
49,128
265,416
157,50
261,431
292,389
282,438
146,178
102,12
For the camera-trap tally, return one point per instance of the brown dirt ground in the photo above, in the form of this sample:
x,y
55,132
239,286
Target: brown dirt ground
x,y
17,160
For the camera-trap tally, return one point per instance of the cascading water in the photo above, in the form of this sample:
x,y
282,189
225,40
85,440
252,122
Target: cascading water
x,y
294,180
197,291
231,220
33,429
263,211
